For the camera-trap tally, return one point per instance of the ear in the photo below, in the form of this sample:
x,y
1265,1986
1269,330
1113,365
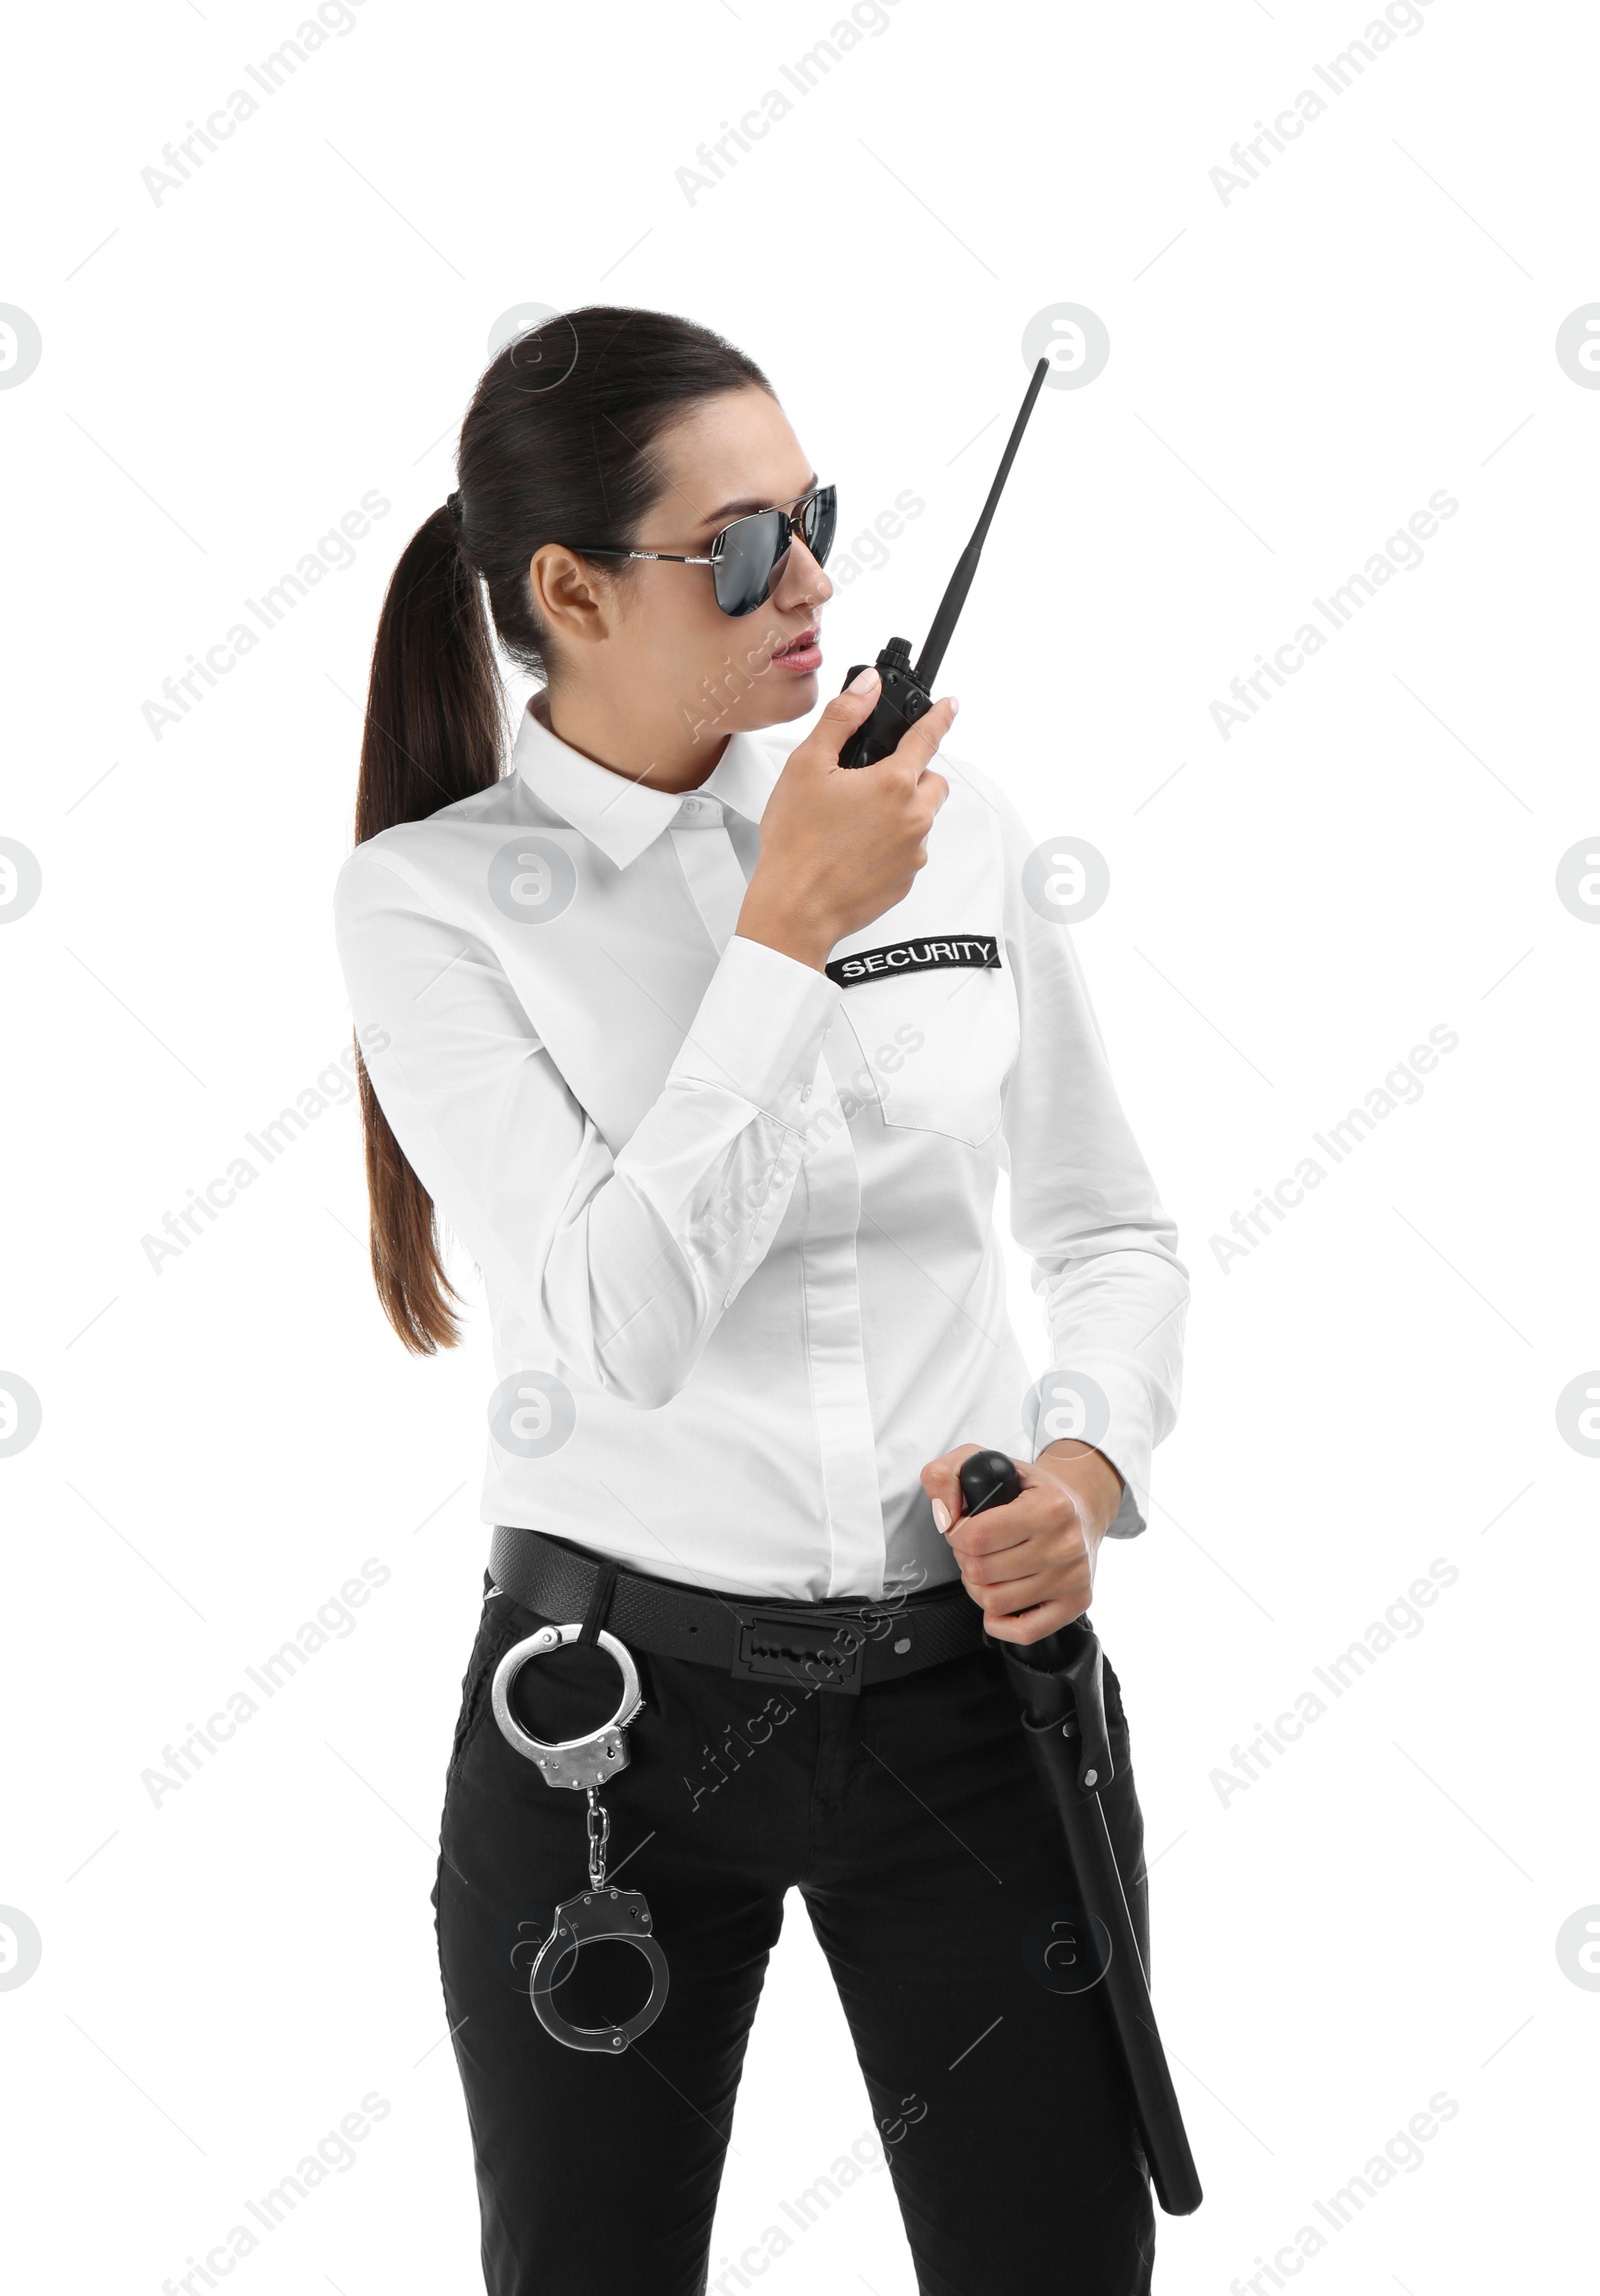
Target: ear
x,y
571,599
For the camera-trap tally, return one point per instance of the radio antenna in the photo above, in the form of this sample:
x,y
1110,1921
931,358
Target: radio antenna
x,y
955,596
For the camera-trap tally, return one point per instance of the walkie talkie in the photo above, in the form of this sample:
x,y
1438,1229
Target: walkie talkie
x,y
904,695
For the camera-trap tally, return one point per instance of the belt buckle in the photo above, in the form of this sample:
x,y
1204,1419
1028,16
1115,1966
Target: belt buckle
x,y
774,1645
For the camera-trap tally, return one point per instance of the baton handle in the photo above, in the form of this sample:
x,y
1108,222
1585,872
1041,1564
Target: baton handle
x,y
1060,1674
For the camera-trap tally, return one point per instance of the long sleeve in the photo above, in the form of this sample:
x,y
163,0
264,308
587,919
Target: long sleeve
x,y
620,1265
1084,1206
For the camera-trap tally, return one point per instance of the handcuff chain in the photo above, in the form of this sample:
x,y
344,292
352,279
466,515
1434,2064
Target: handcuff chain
x,y
599,1822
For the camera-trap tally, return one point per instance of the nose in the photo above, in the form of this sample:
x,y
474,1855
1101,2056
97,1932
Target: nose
x,y
802,580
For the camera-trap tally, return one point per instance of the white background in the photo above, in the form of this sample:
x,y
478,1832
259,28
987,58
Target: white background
x,y
1292,374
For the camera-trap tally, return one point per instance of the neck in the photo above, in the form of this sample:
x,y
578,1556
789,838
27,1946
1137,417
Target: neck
x,y
659,756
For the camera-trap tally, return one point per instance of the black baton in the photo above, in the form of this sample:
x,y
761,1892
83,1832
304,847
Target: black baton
x,y
1058,1679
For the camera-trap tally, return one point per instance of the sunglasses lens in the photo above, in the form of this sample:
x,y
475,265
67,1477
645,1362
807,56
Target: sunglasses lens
x,y
818,521
751,553
748,557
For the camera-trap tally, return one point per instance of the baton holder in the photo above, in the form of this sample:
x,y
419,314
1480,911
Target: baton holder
x,y
1059,1682
1063,1721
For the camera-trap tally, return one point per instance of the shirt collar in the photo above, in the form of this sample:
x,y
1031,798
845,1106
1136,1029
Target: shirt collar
x,y
621,816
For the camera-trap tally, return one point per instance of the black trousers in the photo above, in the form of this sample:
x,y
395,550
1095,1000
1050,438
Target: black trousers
x,y
911,1821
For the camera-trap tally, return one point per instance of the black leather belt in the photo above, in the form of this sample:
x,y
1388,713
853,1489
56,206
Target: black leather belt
x,y
815,1645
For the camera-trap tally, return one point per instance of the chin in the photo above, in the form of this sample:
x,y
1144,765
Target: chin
x,y
792,699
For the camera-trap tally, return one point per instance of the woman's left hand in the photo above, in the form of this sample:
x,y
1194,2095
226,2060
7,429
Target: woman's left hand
x,y
1030,1565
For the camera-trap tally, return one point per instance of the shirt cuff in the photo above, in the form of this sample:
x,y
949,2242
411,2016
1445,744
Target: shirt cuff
x,y
759,1031
1110,1410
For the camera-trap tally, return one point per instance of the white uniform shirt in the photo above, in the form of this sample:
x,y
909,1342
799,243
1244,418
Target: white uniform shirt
x,y
734,1218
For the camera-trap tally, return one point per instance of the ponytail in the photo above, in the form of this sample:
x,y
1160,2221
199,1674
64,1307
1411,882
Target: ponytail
x,y
435,710
559,441
435,705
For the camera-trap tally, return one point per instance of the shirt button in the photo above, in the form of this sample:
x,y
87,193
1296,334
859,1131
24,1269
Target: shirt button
x,y
728,1302
805,1092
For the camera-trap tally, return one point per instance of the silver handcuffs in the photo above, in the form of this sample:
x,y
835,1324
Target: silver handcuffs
x,y
601,1911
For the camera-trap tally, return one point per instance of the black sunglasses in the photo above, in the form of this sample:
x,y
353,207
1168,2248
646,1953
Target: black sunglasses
x,y
748,556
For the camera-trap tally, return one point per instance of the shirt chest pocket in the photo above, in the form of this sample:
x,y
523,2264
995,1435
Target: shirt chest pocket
x,y
935,1049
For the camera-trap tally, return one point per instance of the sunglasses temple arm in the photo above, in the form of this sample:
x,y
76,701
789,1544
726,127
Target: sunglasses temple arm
x,y
955,597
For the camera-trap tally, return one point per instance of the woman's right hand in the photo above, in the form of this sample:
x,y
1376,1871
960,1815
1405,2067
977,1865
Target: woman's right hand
x,y
841,845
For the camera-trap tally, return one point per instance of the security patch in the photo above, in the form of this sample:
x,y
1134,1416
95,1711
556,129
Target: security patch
x,y
927,956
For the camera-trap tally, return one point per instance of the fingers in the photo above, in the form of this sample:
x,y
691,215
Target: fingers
x,y
843,714
1040,1499
1040,1508
1000,1577
918,744
1034,1586
1033,1625
1035,1509
1040,1523
1044,1567
940,1481
1026,1564
977,1540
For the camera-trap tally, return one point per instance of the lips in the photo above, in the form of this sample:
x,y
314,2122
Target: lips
x,y
801,653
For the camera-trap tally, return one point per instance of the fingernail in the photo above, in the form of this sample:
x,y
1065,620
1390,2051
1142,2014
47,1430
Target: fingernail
x,y
954,705
863,679
941,1517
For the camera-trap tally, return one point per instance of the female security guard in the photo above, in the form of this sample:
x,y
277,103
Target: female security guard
x,y
732,1206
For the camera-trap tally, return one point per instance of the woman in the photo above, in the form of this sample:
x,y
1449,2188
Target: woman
x,y
733,1213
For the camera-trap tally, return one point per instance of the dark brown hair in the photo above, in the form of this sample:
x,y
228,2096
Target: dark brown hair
x,y
559,441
